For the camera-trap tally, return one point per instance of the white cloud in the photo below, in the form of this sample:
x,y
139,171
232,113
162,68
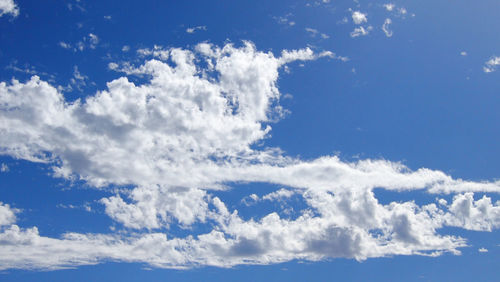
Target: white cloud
x,y
315,32
196,28
64,45
93,40
491,65
154,207
7,215
4,168
482,250
125,48
389,6
156,52
480,215
280,194
113,66
285,20
385,27
89,41
189,129
358,17
399,12
8,7
463,53
361,31
312,31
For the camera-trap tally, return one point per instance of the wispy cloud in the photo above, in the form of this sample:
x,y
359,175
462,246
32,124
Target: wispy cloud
x,y
361,31
385,27
196,28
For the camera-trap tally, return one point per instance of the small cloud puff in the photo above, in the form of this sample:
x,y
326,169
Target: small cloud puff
x,y
4,168
358,17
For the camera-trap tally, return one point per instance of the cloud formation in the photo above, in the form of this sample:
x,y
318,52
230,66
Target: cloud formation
x,y
8,7
191,128
196,28
358,17
492,64
361,31
385,27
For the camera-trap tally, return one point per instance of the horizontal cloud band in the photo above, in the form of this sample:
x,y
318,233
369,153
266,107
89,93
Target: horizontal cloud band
x,y
190,129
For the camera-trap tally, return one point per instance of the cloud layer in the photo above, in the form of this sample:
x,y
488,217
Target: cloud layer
x,y
191,128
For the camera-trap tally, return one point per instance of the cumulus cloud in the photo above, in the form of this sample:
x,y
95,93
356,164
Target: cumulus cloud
x,y
191,128
8,7
358,17
491,64
479,215
7,215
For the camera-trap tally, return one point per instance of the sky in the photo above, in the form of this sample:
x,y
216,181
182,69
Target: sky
x,y
249,140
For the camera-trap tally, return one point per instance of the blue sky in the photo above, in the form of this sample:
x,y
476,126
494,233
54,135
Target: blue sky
x,y
249,140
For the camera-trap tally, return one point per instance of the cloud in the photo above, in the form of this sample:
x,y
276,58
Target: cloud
x,y
285,20
4,168
189,129
389,6
480,215
358,17
93,40
315,32
482,250
385,27
8,7
361,31
64,45
196,28
154,207
463,53
491,65
7,215
89,41
278,195
156,52
398,12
